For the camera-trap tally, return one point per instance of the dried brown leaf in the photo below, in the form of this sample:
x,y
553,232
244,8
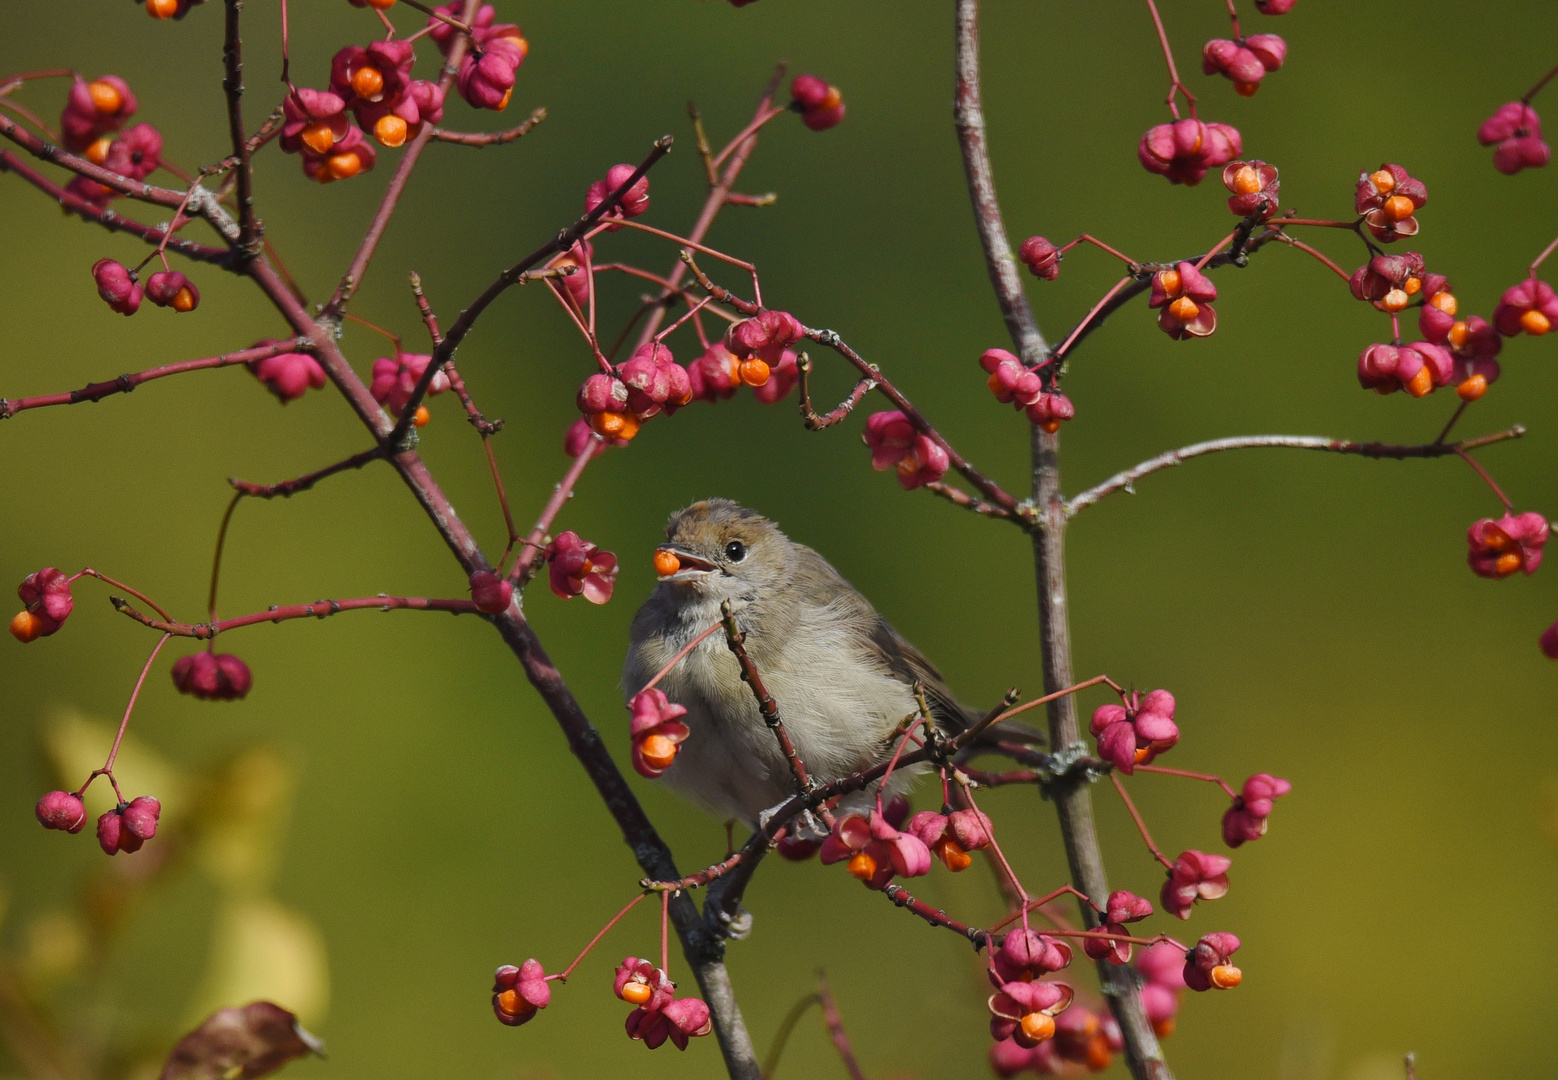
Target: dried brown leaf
x,y
239,1043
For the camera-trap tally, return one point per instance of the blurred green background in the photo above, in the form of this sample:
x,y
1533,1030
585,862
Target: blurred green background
x,y
1313,614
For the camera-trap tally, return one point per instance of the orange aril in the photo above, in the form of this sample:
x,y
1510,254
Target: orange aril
x,y
1038,1026
318,137
1225,976
951,853
345,166
636,993
368,82
754,372
666,563
26,627
1473,388
1398,208
511,1002
106,97
1098,1053
657,751
390,130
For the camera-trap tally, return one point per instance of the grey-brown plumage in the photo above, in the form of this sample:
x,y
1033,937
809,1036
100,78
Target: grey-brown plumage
x,y
843,678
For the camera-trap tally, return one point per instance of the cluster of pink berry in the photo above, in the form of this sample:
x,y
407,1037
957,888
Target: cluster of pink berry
x,y
755,352
371,90
579,568
1014,383
895,443
124,828
122,292
658,1015
1244,61
395,378
94,111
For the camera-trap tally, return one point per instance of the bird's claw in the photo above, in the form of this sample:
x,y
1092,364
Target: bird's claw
x,y
804,826
736,926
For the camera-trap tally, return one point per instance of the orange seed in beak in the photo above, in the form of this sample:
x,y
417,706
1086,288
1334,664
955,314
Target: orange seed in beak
x,y
666,563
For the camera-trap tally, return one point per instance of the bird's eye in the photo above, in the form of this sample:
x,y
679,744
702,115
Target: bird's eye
x,y
735,551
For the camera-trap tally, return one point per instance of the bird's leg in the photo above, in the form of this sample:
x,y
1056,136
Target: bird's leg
x,y
805,826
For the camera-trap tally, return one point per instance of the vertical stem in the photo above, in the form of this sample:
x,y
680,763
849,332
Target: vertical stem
x,y
704,953
232,84
216,560
1071,794
113,753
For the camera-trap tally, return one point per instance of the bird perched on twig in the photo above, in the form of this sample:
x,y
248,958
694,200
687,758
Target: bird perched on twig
x,y
843,678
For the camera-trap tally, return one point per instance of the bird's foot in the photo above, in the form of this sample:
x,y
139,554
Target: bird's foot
x,y
804,826
736,926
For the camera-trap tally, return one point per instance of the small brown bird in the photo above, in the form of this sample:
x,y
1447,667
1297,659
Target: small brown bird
x,y
843,678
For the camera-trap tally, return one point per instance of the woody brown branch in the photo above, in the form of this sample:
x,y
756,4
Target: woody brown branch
x,y
287,488
126,383
1070,795
766,705
72,203
1122,481
480,139
319,609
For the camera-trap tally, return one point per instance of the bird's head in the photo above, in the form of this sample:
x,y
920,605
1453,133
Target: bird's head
x,y
718,550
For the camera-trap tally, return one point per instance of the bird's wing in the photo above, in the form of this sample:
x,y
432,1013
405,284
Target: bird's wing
x,y
823,585
911,665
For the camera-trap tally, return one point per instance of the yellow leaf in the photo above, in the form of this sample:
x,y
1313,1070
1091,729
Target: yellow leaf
x,y
262,950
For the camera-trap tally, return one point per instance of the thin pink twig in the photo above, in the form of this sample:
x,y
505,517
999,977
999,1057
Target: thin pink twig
x,y
1168,58
1141,825
108,766
1480,471
1076,332
680,656
562,976
554,506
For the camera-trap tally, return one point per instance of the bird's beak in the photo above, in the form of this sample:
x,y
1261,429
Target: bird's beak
x,y
688,566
